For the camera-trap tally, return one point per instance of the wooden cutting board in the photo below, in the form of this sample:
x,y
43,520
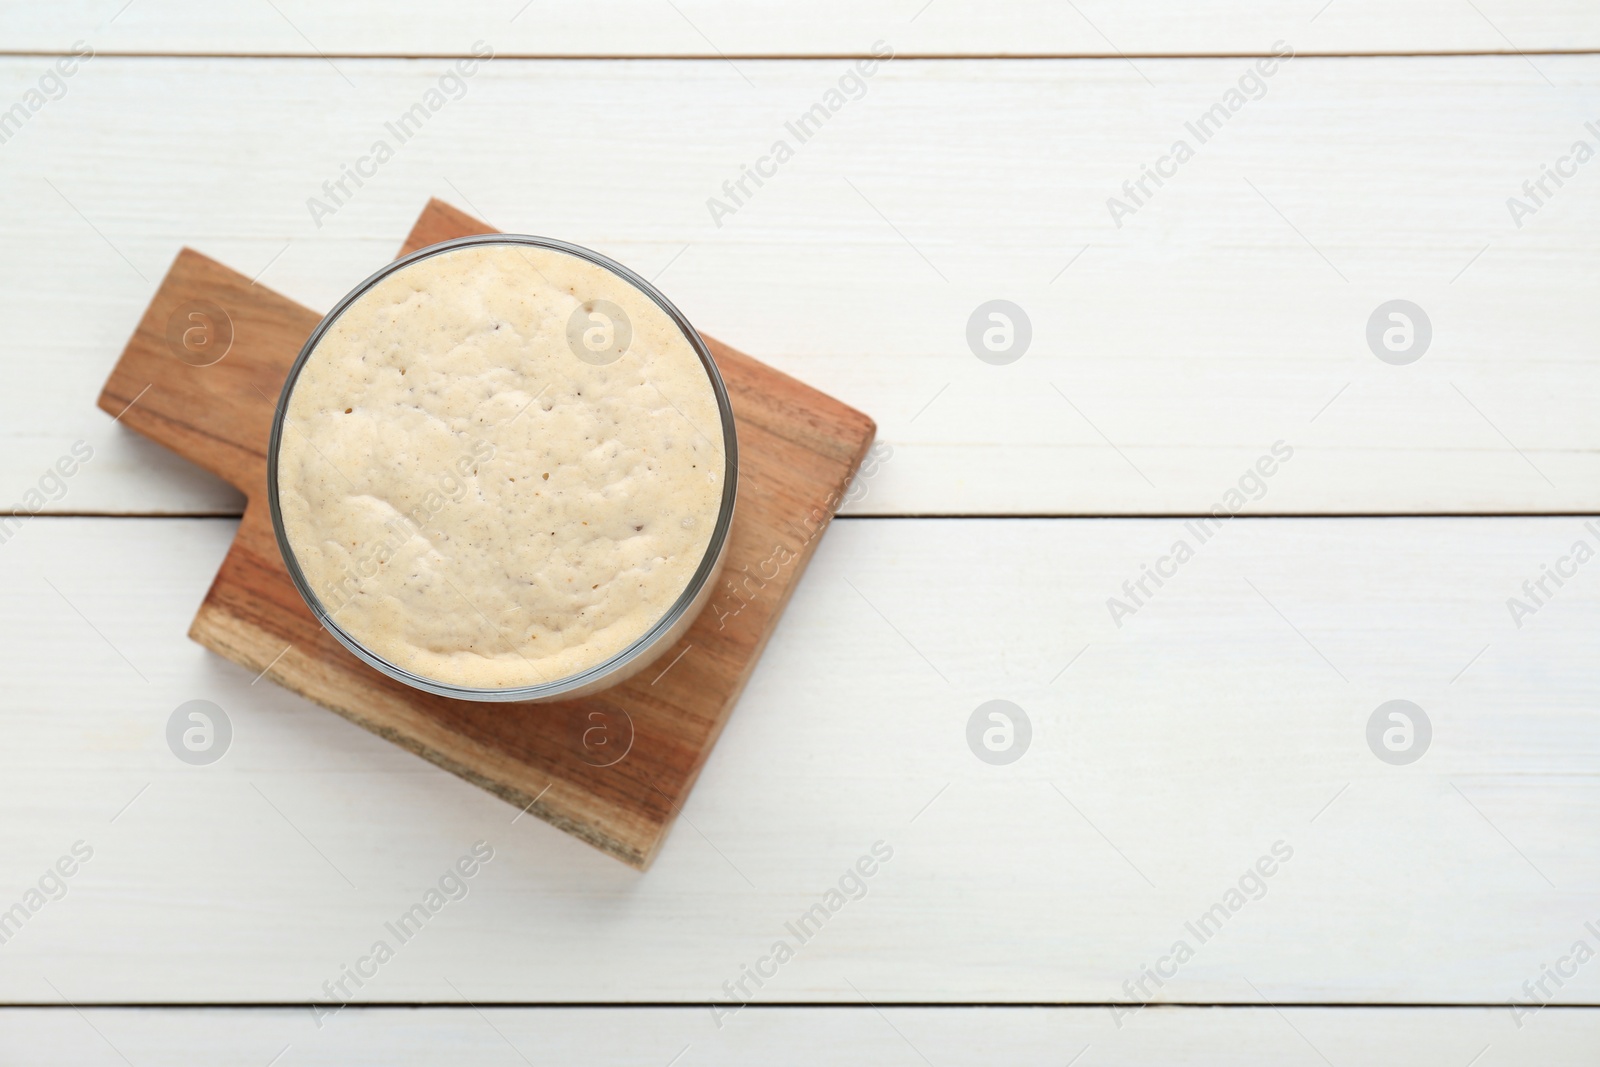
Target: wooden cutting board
x,y
613,768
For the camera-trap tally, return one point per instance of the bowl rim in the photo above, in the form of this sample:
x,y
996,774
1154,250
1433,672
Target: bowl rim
x,y
646,642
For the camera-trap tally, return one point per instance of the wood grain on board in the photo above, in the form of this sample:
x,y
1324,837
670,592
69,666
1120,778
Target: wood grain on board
x,y
798,451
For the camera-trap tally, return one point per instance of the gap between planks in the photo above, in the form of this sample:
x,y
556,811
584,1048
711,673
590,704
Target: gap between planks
x,y
774,57
787,1005
911,516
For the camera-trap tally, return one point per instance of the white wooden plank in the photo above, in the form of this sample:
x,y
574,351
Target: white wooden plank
x,y
1167,756
1248,1037
712,27
1165,360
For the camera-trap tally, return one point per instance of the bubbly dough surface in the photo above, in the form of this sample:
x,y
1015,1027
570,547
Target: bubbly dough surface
x,y
475,503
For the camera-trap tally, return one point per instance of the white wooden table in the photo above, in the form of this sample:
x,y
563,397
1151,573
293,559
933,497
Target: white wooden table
x,y
1416,912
